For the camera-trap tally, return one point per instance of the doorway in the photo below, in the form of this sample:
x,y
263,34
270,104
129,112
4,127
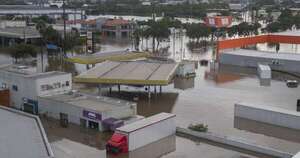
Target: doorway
x,y
29,108
64,121
93,125
83,123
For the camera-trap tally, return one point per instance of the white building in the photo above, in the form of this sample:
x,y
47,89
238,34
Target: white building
x,y
100,113
25,85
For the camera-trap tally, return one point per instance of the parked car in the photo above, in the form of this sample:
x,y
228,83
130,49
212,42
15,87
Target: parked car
x,y
292,83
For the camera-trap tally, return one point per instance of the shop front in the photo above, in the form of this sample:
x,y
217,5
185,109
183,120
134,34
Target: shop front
x,y
91,120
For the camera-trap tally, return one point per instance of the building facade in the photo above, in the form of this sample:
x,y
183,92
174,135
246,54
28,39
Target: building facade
x,y
88,111
118,28
25,85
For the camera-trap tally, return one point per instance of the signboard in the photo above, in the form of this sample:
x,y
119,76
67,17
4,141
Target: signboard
x,y
90,35
90,42
92,115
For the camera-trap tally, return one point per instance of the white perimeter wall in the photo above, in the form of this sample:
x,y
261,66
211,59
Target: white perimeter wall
x,y
268,114
151,133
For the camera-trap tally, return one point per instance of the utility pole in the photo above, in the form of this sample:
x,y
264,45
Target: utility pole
x,y
64,18
153,18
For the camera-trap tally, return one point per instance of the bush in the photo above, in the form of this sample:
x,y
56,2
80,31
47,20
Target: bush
x,y
198,127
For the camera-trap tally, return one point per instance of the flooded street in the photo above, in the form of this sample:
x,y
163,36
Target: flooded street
x,y
75,141
209,98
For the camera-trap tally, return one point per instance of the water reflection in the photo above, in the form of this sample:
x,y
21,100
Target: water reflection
x,y
147,107
184,83
265,82
267,129
221,78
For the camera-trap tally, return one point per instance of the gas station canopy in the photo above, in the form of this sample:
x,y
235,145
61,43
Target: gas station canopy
x,y
129,73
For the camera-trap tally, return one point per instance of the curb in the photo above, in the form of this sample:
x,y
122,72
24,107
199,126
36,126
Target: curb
x,y
233,142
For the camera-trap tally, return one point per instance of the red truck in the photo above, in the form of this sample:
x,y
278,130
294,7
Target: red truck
x,y
117,144
141,133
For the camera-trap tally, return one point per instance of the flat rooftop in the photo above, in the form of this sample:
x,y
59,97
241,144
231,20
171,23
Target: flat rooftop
x,y
145,122
96,103
20,32
22,135
112,56
264,54
28,72
129,73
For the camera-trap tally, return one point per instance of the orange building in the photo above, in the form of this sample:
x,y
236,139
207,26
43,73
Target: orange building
x,y
288,37
218,21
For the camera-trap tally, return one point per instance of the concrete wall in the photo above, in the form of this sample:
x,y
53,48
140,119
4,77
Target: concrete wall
x,y
268,114
53,109
233,142
246,61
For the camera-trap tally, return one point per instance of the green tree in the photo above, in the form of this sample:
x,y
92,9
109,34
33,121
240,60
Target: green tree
x,y
158,30
286,19
20,51
197,31
273,27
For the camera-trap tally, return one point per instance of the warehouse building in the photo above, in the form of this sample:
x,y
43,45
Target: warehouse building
x,y
23,85
252,58
100,113
22,135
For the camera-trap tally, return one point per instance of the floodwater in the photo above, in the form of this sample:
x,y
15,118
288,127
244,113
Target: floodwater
x,y
78,142
209,98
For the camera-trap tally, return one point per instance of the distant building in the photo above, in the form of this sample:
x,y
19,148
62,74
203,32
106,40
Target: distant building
x,y
12,35
218,21
117,28
25,85
238,5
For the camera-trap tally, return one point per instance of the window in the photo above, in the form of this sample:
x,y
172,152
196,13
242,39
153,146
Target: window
x,y
15,88
4,85
44,87
68,83
57,85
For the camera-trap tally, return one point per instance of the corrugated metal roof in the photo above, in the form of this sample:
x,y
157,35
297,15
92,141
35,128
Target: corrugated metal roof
x,y
145,122
131,73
